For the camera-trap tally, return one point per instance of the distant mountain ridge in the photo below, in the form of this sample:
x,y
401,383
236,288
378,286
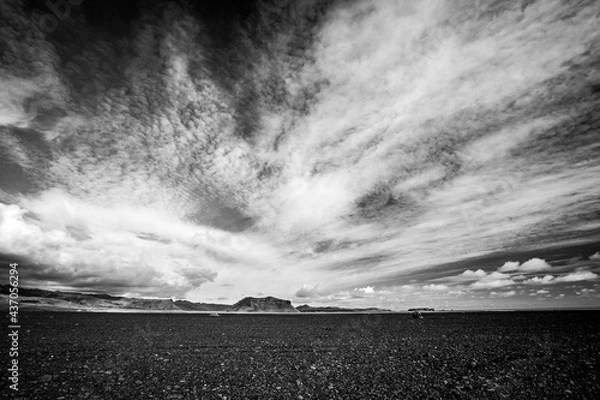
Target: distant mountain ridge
x,y
330,309
40,299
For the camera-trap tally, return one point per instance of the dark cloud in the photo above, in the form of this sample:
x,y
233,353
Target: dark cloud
x,y
24,160
217,215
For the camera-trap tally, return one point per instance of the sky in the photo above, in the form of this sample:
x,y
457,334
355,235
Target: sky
x,y
370,153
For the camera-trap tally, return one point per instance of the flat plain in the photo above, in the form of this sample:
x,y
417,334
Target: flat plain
x,y
494,355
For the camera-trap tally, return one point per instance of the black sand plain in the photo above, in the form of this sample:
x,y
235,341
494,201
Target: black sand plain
x,y
495,355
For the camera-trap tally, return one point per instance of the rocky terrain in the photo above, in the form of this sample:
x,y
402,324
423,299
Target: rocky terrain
x,y
518,355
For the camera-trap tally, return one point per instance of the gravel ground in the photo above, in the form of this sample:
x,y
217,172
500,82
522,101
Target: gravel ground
x,y
519,355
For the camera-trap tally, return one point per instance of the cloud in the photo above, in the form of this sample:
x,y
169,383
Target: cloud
x,y
113,255
509,293
533,265
485,280
575,276
509,266
578,276
540,280
595,256
367,289
493,280
474,274
586,292
307,291
435,287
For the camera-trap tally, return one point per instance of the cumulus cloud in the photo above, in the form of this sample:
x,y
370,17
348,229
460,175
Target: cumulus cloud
x,y
121,250
575,276
540,280
533,265
586,292
483,280
509,293
595,256
367,289
505,275
307,291
435,287
493,280
470,274
578,276
509,266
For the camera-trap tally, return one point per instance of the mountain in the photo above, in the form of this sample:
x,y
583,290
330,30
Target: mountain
x,y
186,305
329,309
39,299
264,304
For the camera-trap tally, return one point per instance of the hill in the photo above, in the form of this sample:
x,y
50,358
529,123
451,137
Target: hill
x,y
263,304
330,309
40,299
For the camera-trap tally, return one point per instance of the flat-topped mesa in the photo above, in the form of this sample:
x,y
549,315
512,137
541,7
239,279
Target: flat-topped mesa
x,y
263,304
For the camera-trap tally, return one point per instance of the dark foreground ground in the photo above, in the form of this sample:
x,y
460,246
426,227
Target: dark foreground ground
x,y
524,355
